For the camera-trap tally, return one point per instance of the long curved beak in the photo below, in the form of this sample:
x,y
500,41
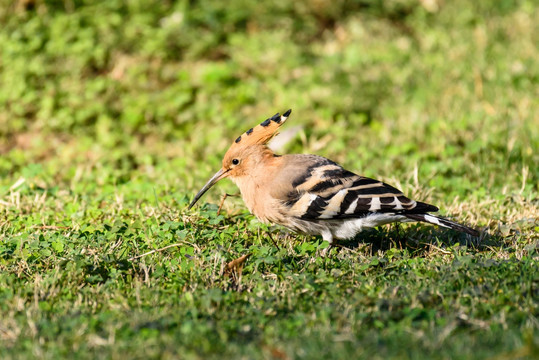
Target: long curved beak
x,y
215,178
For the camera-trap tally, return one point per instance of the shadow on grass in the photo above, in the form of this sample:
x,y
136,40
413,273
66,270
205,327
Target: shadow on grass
x,y
420,240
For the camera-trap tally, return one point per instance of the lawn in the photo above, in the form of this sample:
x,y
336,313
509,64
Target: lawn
x,y
113,114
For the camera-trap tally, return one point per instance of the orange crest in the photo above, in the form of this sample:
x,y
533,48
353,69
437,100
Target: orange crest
x,y
262,133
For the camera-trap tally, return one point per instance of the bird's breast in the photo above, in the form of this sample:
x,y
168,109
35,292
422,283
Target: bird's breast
x,y
257,198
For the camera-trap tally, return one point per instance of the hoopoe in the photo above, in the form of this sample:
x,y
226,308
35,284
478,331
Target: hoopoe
x,y
311,194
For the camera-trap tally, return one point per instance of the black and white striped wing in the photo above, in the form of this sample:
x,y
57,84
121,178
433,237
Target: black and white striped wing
x,y
327,191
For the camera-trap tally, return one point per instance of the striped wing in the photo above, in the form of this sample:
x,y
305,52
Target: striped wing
x,y
327,191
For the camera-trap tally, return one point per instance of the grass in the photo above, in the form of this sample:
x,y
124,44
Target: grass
x,y
113,114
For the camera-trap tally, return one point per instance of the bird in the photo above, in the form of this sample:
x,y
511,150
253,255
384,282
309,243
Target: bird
x,y
311,194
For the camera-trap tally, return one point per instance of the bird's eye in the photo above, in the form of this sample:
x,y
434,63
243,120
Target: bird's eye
x,y
235,161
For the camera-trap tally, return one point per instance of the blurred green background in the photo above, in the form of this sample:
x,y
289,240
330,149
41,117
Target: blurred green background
x,y
379,86
114,113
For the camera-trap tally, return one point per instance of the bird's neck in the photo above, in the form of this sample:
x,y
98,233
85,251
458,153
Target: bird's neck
x,y
256,180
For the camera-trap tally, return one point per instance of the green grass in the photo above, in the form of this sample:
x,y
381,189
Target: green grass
x,y
114,113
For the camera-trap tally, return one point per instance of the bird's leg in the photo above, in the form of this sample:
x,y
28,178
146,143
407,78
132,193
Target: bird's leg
x,y
327,236
273,241
400,240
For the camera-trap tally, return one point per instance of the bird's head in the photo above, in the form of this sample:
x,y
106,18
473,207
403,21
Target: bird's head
x,y
244,152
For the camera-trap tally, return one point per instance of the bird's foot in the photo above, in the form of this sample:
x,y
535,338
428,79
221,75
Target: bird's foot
x,y
325,252
331,246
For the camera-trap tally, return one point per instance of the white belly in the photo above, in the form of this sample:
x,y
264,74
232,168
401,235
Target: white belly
x,y
347,229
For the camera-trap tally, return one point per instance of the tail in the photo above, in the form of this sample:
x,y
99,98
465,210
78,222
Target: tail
x,y
431,219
